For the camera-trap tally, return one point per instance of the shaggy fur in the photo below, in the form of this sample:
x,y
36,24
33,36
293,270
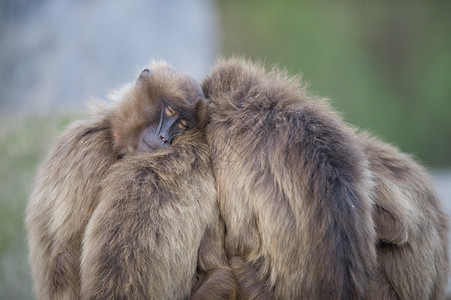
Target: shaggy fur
x,y
292,186
64,196
411,226
67,186
155,211
314,210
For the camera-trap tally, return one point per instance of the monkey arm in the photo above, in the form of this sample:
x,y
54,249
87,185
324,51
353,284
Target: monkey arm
x,y
399,185
410,224
216,278
389,225
64,196
250,286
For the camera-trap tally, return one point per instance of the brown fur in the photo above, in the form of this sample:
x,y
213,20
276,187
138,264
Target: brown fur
x,y
64,196
67,186
292,185
303,188
411,226
250,287
155,211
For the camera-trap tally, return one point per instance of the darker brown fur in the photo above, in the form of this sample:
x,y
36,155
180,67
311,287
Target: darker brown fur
x,y
67,187
292,185
299,191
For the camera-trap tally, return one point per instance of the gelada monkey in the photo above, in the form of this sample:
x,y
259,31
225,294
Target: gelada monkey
x,y
145,117
313,209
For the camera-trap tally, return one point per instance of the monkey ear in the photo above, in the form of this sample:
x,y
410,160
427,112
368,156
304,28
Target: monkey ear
x,y
144,74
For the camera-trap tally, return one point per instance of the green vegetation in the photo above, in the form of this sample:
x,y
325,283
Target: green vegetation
x,y
385,65
23,144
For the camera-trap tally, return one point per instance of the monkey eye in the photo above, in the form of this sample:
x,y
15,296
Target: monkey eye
x,y
169,111
183,124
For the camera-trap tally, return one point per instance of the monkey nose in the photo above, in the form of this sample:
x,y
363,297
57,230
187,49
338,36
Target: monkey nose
x,y
163,138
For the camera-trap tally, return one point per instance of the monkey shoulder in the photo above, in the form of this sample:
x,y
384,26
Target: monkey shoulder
x,y
85,145
161,175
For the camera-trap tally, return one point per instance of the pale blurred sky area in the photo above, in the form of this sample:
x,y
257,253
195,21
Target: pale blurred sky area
x,y
55,55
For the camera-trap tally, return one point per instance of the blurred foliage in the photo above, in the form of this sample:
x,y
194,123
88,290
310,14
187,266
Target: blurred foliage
x,y
23,143
385,65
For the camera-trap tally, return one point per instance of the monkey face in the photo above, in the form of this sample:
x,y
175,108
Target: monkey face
x,y
172,121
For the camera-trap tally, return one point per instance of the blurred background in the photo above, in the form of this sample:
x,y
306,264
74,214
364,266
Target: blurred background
x,y
385,65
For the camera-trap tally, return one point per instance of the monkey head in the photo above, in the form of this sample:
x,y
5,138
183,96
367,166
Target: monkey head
x,y
160,105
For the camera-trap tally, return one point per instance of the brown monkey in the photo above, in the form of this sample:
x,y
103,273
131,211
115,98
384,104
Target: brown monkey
x,y
288,146
156,209
145,117
292,186
412,231
411,226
